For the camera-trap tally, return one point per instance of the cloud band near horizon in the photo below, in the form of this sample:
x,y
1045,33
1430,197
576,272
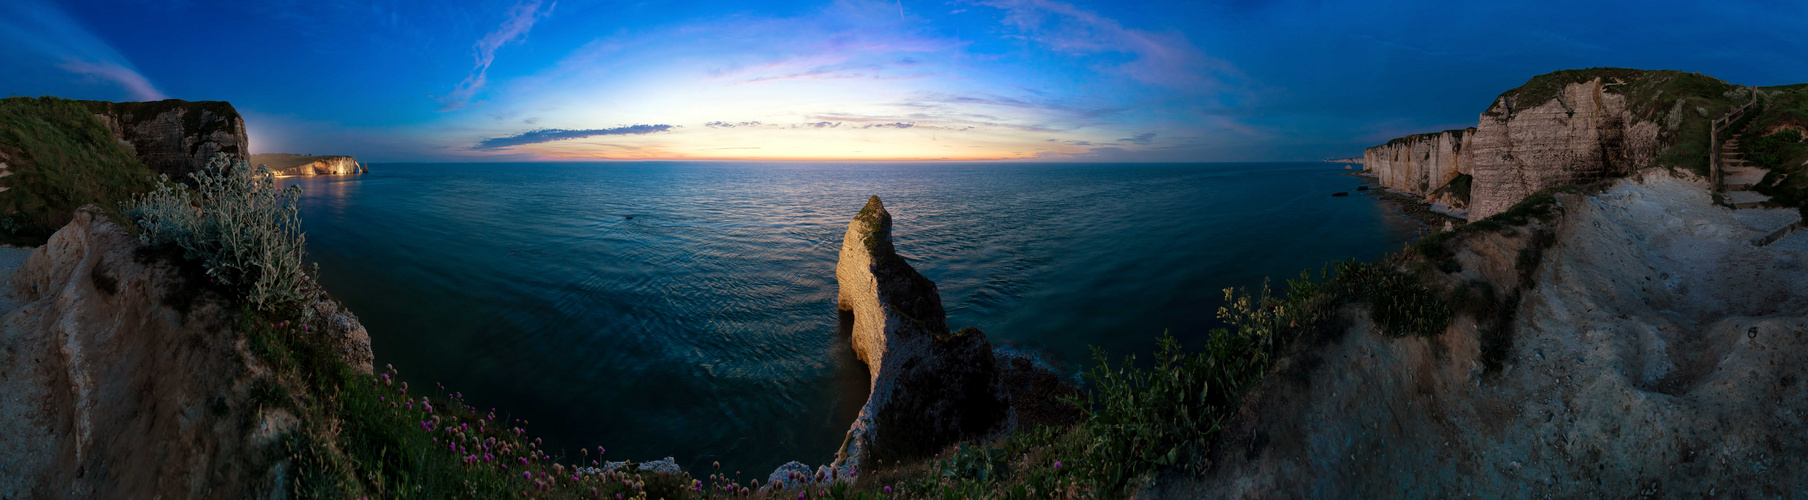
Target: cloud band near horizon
x,y
555,134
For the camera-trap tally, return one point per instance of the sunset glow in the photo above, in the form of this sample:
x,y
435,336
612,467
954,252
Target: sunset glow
x,y
1047,80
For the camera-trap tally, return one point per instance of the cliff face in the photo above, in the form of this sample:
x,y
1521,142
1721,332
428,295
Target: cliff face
x,y
123,379
930,387
175,137
1420,164
293,165
1654,350
1583,134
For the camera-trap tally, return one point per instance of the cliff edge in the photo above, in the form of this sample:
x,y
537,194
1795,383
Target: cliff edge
x,y
125,377
175,137
930,387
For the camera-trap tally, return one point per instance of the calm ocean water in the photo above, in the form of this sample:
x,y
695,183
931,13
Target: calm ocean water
x,y
704,328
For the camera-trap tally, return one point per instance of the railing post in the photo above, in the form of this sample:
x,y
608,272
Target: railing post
x,y
1714,155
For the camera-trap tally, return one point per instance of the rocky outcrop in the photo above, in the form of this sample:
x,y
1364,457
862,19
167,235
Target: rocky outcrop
x,y
930,387
1583,134
1654,350
175,137
294,165
124,377
1420,164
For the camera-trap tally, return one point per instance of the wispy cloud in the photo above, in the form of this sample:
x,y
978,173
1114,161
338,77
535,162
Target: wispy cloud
x,y
722,124
135,84
44,32
521,19
1143,139
555,134
1166,59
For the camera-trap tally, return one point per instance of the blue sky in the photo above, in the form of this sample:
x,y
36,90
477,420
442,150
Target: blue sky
x,y
1239,80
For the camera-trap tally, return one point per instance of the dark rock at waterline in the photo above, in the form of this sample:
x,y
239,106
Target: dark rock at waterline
x,y
1037,390
950,394
1340,193
1362,188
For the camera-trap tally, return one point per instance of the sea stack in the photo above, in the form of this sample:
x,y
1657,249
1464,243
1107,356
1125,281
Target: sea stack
x,y
930,387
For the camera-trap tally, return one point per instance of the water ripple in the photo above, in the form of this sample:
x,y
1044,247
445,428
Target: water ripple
x,y
704,327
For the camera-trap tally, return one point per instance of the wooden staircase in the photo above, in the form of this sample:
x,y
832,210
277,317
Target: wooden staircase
x,y
1739,177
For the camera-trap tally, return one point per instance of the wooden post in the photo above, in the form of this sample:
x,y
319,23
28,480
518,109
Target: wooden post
x,y
1714,155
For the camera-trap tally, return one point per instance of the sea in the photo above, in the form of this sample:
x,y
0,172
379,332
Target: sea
x,y
687,309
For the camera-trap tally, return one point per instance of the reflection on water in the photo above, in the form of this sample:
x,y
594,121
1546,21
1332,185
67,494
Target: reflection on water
x,y
704,326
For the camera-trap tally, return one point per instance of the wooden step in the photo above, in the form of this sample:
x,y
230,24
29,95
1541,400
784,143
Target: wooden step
x,y
1746,199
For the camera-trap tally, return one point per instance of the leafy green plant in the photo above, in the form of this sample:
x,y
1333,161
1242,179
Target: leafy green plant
x,y
244,231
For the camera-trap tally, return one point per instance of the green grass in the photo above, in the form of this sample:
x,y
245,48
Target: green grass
x,y
61,158
1781,150
1430,135
1458,187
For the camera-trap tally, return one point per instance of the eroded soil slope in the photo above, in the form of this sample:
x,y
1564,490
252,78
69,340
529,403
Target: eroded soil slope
x,y
1655,351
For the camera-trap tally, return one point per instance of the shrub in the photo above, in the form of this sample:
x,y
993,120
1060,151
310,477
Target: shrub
x,y
1399,303
244,231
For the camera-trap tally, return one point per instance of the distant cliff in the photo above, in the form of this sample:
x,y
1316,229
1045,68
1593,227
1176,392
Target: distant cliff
x,y
172,136
1569,127
1420,164
294,165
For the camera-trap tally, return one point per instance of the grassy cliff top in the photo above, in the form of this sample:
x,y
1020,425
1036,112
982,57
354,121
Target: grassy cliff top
x,y
60,158
1428,135
191,119
1649,92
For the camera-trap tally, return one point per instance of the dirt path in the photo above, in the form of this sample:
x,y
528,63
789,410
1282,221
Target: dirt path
x,y
26,446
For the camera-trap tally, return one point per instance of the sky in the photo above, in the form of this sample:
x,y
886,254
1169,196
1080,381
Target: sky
x,y
1037,80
